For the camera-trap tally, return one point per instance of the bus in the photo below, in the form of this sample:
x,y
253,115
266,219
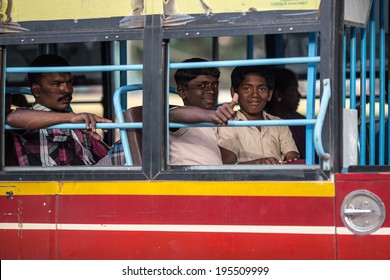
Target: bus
x,y
332,206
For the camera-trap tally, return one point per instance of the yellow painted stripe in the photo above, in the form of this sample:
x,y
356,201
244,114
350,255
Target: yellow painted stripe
x,y
28,188
202,188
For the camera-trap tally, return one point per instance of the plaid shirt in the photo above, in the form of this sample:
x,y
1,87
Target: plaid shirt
x,y
115,156
52,147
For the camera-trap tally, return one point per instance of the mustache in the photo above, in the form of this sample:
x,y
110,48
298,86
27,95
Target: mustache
x,y
66,97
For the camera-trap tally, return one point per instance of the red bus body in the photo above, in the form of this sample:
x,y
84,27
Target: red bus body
x,y
187,220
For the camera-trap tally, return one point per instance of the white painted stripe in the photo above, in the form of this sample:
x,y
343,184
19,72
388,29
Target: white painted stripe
x,y
188,228
27,226
345,231
173,228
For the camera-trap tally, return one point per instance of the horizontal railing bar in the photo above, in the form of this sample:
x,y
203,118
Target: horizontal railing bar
x,y
127,125
91,68
250,62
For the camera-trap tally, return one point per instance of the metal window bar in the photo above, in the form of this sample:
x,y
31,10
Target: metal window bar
x,y
363,97
382,66
371,129
372,56
308,122
311,96
317,123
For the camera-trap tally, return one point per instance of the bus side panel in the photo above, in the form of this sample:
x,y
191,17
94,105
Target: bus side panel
x,y
148,220
21,237
151,245
372,246
195,227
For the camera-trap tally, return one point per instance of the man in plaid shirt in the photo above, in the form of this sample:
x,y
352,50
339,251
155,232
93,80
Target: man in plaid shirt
x,y
52,147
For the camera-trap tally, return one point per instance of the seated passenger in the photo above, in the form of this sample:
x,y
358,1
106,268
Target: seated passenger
x,y
255,145
51,147
15,100
284,104
198,88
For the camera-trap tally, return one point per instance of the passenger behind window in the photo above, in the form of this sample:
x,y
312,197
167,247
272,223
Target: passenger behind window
x,y
15,100
51,147
199,89
284,104
255,145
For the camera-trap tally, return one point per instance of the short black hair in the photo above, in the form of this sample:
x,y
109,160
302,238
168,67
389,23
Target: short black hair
x,y
184,76
45,60
283,78
239,73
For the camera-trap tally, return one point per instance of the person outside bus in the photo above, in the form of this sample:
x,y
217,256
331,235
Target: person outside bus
x,y
261,144
35,145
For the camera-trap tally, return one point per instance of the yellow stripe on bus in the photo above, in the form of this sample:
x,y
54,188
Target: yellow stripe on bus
x,y
201,188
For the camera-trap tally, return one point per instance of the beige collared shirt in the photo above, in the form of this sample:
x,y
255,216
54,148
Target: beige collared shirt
x,y
194,146
249,143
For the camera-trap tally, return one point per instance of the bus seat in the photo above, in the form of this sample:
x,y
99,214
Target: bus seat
x,y
134,114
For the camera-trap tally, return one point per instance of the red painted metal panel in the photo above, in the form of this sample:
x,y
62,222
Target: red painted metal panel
x,y
368,247
138,209
185,245
64,216
27,244
31,209
218,210
372,246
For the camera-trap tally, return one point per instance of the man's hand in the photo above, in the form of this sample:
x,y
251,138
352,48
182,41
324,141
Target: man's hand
x,y
226,111
89,119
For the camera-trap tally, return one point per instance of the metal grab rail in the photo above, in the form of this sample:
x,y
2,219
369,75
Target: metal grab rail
x,y
250,62
138,67
92,68
21,90
123,126
281,122
318,126
82,126
317,123
119,114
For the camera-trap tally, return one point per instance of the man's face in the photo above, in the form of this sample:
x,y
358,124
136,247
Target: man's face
x,y
54,91
290,98
253,95
201,92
